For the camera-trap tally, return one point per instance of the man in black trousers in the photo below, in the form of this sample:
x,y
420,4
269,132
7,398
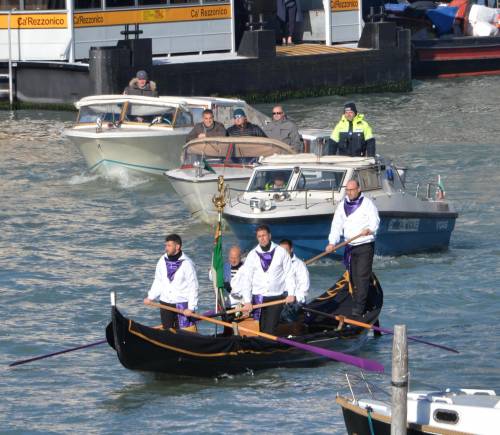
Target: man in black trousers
x,y
355,215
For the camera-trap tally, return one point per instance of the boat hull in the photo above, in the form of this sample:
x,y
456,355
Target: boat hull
x,y
197,192
151,152
399,233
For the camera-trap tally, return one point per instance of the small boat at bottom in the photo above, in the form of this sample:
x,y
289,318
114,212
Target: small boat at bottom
x,y
179,352
204,160
453,411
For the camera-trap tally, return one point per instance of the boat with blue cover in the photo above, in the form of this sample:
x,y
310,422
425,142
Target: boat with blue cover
x,y
302,208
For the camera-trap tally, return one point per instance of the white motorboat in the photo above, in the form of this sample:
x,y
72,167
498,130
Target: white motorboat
x,y
144,133
453,411
302,207
203,160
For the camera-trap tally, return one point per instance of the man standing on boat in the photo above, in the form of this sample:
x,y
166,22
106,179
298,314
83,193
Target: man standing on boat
x,y
356,214
242,127
283,129
207,128
175,284
266,276
141,85
352,136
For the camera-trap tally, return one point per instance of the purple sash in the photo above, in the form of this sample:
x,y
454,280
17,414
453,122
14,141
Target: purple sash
x,y
265,259
351,206
172,267
257,300
184,321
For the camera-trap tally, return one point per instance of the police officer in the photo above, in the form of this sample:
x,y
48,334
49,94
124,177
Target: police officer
x,y
352,136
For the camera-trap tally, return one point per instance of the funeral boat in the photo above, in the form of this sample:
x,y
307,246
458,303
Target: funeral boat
x,y
452,411
204,160
144,133
302,210
179,352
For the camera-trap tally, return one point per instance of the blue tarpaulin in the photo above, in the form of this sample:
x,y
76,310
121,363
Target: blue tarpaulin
x,y
442,17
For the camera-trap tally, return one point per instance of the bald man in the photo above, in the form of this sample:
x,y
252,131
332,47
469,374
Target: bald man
x,y
356,214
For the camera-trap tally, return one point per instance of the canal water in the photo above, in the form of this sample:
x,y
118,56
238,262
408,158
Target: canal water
x,y
69,237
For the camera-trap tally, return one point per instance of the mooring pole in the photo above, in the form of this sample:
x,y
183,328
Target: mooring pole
x,y
9,37
399,381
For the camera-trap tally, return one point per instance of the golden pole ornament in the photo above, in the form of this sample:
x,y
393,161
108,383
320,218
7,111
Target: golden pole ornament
x,y
220,200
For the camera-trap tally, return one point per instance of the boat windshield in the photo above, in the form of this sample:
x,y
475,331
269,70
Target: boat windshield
x,y
320,179
271,180
144,113
109,112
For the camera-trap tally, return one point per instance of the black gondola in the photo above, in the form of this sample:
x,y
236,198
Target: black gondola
x,y
144,348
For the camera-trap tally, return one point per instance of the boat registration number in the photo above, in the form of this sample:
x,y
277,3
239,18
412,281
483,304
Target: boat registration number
x,y
403,225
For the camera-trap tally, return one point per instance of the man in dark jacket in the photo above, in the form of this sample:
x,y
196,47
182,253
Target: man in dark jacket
x,y
140,85
242,127
207,128
283,129
352,136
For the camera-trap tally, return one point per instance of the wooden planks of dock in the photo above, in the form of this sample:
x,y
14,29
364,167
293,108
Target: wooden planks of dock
x,y
313,49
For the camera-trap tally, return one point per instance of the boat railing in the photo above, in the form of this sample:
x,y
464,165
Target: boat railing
x,y
281,198
428,193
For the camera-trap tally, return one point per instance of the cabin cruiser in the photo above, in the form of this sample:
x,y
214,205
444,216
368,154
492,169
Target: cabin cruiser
x,y
144,133
457,411
296,195
204,160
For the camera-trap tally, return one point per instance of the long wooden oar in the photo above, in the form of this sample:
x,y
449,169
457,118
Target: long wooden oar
x,y
365,364
335,248
376,328
240,310
48,355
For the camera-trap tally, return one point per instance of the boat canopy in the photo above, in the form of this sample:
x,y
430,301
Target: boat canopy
x,y
233,149
299,159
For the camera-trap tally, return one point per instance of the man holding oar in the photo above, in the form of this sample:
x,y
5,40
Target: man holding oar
x,y
356,214
175,284
266,277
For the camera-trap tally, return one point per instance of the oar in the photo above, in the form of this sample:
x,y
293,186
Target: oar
x,y
335,248
365,364
36,358
254,307
376,328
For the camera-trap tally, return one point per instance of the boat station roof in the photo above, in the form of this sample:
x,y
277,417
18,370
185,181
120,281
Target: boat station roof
x,y
297,159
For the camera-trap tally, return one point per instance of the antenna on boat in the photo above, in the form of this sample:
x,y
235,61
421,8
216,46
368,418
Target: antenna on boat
x,y
113,298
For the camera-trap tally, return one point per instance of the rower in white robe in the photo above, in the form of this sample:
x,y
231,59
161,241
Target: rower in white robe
x,y
300,272
266,276
175,285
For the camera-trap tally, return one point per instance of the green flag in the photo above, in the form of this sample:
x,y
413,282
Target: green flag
x,y
207,167
217,260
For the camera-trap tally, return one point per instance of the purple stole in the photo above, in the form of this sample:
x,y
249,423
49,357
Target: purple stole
x,y
349,208
172,267
184,321
257,300
265,259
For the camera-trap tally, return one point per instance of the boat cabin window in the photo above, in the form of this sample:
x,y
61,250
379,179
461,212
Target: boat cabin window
x,y
320,179
197,113
119,3
271,180
106,112
148,114
183,118
368,178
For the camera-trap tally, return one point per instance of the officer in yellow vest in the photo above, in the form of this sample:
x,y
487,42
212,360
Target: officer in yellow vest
x,y
352,136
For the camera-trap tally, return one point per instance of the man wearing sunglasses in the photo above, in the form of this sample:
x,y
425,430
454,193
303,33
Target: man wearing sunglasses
x,y
352,136
242,127
283,129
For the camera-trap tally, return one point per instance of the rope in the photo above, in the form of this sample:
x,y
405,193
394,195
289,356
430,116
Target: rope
x,y
370,422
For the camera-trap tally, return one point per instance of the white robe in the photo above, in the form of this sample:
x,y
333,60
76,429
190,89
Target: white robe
x,y
252,280
365,216
301,278
182,288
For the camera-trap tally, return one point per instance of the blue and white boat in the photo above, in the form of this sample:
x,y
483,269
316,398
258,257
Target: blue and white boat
x,y
302,209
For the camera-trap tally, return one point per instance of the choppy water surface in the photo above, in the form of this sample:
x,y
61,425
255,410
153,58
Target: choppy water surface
x,y
68,237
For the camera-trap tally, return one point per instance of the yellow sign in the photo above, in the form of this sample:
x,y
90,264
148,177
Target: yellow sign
x,y
33,21
344,5
145,16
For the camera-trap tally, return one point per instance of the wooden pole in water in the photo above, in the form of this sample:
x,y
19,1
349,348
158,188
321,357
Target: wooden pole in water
x,y
399,381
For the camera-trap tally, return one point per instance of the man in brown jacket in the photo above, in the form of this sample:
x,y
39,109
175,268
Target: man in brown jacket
x,y
207,128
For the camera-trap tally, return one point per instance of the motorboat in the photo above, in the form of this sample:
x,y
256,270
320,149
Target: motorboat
x,y
144,133
204,160
301,208
452,411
